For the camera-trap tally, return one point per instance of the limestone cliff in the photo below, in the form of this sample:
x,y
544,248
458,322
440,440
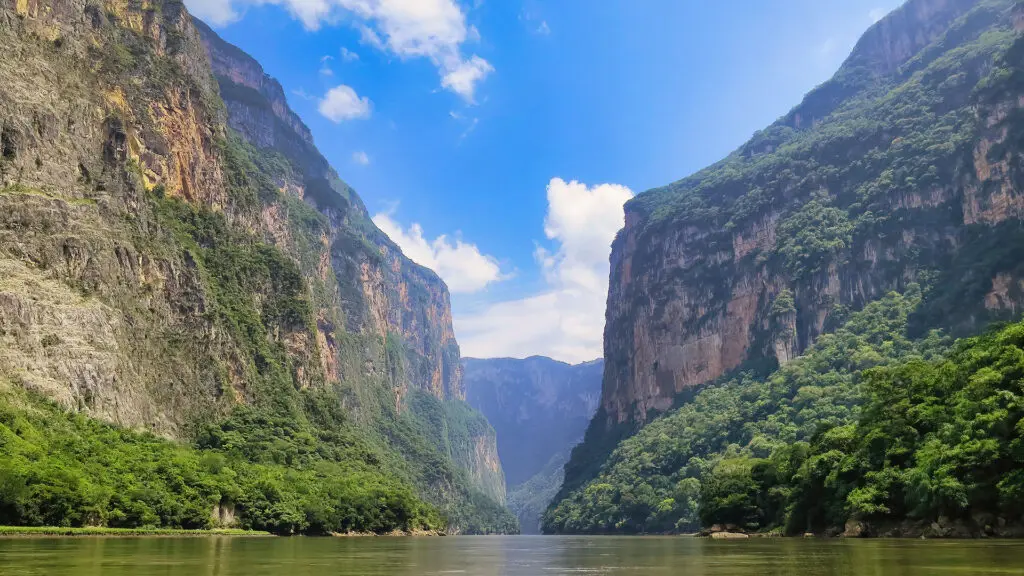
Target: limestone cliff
x,y
382,291
172,246
904,167
78,155
701,270
382,296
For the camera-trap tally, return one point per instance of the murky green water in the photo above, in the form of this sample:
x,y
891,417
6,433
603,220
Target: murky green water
x,y
504,556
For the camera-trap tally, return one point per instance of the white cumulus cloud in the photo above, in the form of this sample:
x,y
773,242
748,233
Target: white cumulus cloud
x,y
433,29
342,103
461,265
361,158
565,320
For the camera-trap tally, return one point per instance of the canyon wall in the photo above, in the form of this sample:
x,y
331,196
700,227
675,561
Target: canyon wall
x,y
842,200
174,246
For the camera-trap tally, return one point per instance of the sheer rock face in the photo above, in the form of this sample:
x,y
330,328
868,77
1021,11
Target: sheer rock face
x,y
110,112
75,111
700,263
86,305
382,291
60,125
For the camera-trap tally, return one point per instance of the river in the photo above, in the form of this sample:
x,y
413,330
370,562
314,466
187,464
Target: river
x,y
503,556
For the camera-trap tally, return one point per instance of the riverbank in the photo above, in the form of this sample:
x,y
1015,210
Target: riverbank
x,y
392,534
100,531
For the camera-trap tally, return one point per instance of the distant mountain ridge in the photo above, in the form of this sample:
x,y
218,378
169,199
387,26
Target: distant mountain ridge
x,y
539,408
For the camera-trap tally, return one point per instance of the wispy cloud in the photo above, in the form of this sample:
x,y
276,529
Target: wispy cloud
x,y
534,23
876,14
348,55
360,157
325,66
469,129
463,78
469,124
827,48
299,92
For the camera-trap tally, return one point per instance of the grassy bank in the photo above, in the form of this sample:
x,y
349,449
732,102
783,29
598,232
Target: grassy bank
x,y
100,531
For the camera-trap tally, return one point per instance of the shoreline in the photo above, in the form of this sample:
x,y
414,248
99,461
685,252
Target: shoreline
x,y
42,531
59,531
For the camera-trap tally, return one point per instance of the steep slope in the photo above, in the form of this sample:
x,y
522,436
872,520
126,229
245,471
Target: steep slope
x,y
382,295
904,167
190,265
539,408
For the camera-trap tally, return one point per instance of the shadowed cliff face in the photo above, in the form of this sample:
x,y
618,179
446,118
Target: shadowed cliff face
x,y
902,168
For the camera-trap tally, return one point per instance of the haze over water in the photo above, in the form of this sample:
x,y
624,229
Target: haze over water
x,y
502,556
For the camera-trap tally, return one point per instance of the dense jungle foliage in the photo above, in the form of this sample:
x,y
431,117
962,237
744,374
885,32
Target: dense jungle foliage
x,y
58,469
867,426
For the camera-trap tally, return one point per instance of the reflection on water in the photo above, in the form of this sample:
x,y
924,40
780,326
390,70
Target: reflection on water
x,y
502,556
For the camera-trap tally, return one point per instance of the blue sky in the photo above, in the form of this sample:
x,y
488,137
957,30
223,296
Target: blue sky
x,y
495,141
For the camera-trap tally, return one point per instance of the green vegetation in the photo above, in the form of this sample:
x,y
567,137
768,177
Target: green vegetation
x,y
938,438
867,426
287,458
651,482
237,328
252,176
100,531
812,236
69,471
436,439
259,295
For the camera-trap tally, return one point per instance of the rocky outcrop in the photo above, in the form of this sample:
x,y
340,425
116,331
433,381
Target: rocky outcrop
x,y
255,115
58,126
84,133
829,220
